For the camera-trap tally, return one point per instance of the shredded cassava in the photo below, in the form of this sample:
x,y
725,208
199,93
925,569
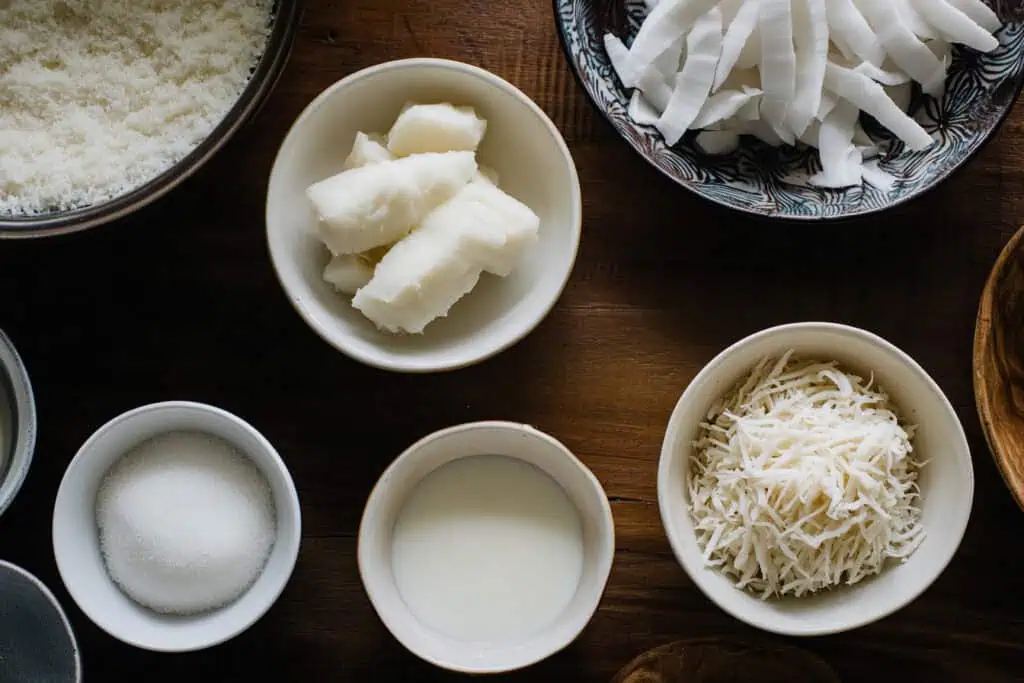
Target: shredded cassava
x,y
99,97
803,479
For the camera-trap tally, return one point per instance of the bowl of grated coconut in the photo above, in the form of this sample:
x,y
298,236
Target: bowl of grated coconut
x,y
17,422
814,479
109,106
176,526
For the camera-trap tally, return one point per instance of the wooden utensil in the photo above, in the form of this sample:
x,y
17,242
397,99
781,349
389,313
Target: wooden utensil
x,y
999,363
720,660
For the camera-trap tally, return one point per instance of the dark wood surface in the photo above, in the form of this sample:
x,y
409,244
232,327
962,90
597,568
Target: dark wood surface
x,y
180,302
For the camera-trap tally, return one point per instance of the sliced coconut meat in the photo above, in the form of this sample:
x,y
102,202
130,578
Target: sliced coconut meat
x,y
796,72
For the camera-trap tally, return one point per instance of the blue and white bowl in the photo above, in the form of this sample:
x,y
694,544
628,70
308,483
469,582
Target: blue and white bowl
x,y
772,182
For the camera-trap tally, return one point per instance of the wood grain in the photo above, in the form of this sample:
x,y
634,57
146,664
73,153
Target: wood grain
x,y
999,363
180,302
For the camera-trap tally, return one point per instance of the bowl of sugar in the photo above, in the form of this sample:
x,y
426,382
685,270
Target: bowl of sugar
x,y
486,547
17,422
37,644
176,526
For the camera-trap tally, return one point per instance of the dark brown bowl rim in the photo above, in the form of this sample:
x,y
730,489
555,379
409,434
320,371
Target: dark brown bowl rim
x,y
982,338
261,84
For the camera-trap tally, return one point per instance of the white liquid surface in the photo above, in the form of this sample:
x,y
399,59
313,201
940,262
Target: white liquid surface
x,y
487,548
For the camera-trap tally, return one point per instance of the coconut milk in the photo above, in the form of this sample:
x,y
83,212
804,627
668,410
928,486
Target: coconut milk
x,y
487,548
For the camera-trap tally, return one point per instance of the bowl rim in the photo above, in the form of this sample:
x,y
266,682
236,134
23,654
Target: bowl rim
x,y
948,171
339,341
668,453
261,83
981,349
24,420
796,653
279,471
43,589
376,498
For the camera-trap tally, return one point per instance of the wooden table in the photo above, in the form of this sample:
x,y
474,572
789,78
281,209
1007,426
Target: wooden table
x,y
180,302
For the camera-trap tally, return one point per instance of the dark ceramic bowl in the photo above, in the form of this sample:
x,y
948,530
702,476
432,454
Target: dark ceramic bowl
x,y
37,644
17,423
268,70
768,182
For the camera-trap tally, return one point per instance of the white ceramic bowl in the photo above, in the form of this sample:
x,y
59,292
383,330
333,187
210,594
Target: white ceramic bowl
x,y
17,423
484,438
947,481
521,143
36,640
76,538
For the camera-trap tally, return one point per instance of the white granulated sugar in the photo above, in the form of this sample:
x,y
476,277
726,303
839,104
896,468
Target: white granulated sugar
x,y
99,97
186,523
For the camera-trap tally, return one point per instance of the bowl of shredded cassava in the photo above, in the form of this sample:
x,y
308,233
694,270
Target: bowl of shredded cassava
x,y
814,479
107,106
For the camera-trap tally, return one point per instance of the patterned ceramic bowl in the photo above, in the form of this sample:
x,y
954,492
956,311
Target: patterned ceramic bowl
x,y
768,182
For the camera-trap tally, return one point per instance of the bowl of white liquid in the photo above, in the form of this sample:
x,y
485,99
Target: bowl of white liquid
x,y
176,526
486,547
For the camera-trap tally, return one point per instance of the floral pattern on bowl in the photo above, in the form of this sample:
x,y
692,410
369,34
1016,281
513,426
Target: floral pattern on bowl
x,y
772,182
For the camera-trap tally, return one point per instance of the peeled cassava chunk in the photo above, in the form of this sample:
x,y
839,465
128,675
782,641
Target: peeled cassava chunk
x,y
377,204
480,229
348,272
418,280
495,228
366,150
424,128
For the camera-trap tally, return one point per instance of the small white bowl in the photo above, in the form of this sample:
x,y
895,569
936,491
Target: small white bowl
x,y
36,639
521,144
946,481
17,423
484,438
76,537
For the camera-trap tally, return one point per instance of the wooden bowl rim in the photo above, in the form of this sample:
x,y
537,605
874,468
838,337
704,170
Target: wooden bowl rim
x,y
741,642
981,349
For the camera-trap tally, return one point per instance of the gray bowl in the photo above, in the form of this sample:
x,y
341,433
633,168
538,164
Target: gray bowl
x,y
768,182
17,423
37,644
